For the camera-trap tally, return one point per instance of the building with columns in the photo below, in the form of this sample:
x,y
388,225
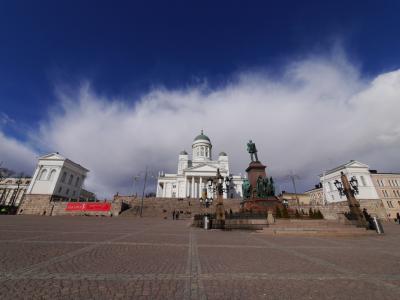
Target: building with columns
x,y
190,181
12,190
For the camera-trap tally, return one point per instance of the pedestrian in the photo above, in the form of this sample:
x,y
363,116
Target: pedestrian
x,y
173,215
177,215
398,217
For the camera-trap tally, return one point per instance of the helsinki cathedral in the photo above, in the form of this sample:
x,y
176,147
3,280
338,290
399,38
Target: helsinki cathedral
x,y
191,180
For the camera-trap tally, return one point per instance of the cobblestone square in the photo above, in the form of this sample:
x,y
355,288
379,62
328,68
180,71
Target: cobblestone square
x,y
130,258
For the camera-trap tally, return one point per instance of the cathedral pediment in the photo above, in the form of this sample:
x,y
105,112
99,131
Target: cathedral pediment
x,y
204,167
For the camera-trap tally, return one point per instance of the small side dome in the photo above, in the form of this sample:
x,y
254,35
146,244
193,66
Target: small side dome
x,y
223,154
183,153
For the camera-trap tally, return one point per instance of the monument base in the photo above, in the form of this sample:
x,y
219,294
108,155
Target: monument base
x,y
261,205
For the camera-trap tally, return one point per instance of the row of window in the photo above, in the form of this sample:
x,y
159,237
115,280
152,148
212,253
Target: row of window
x,y
70,179
390,204
44,175
202,151
361,182
396,193
392,182
60,189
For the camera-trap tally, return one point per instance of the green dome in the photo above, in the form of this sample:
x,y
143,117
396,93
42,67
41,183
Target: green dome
x,y
222,154
183,152
202,136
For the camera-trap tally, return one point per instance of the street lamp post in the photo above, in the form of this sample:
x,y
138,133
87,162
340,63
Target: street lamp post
x,y
219,188
144,189
147,174
135,179
350,189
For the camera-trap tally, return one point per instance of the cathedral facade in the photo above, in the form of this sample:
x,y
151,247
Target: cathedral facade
x,y
191,179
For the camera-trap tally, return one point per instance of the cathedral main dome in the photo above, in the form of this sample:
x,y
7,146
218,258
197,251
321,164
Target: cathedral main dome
x,y
202,136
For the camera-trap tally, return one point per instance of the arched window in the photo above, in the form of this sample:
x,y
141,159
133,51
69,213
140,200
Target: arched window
x,y
70,179
43,175
202,151
63,177
77,181
52,174
207,152
363,182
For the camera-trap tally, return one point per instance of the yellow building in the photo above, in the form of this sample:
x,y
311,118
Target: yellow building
x,y
387,186
295,199
316,195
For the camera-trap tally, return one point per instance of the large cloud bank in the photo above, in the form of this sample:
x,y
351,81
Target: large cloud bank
x,y
316,114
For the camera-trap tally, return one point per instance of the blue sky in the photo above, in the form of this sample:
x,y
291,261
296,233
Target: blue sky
x,y
128,49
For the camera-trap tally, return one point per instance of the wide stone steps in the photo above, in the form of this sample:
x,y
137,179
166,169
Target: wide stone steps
x,y
313,228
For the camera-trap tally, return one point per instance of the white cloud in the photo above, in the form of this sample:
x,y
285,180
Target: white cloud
x,y
16,156
319,113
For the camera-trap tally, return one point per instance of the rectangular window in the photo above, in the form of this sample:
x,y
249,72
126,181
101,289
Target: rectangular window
x,y
390,204
363,180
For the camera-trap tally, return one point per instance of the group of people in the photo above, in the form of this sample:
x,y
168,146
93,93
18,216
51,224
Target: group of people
x,y
175,215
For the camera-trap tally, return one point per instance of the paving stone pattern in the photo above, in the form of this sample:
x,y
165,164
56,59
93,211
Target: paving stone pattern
x,y
150,258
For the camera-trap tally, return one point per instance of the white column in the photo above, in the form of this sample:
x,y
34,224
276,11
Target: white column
x,y
186,187
192,193
164,189
200,187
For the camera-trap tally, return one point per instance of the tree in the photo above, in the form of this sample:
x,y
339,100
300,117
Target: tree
x,y
285,213
310,213
319,215
278,213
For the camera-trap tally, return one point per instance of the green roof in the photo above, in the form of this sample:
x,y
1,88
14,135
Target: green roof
x,y
202,136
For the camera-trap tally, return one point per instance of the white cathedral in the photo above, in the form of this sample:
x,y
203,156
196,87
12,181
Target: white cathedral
x,y
192,176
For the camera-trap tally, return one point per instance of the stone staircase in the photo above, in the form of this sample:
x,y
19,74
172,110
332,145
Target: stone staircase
x,y
300,227
163,207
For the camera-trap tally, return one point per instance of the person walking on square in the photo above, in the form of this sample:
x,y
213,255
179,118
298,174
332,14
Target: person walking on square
x,y
398,218
177,215
173,215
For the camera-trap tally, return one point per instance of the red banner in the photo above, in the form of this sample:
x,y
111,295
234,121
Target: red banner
x,y
85,206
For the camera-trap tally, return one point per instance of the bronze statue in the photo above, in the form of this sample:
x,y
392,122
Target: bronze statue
x,y
246,188
251,148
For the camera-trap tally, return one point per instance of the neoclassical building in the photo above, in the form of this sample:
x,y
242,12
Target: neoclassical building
x,y
57,176
12,190
190,181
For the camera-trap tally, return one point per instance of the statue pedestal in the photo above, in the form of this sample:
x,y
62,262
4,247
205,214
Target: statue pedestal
x,y
254,203
255,170
259,205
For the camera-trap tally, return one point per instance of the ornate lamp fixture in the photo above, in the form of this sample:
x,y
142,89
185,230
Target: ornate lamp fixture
x,y
349,188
